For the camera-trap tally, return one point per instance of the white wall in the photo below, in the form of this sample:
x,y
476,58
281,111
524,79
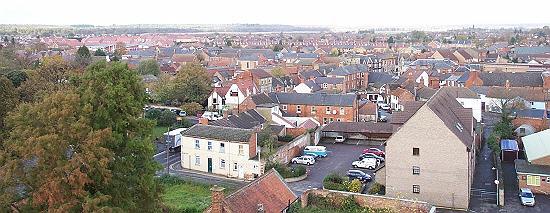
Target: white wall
x,y
211,101
231,155
302,88
474,104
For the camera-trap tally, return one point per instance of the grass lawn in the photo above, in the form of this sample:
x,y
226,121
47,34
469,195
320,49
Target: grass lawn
x,y
185,196
158,131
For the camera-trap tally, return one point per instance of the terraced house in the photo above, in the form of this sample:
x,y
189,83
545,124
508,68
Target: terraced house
x,y
226,151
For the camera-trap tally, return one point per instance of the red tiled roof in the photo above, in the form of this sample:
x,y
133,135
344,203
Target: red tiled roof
x,y
270,190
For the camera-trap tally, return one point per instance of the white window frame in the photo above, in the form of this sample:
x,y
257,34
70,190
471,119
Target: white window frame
x,y
222,147
416,189
416,170
197,144
241,149
342,111
285,107
327,110
298,109
235,166
197,160
313,110
222,164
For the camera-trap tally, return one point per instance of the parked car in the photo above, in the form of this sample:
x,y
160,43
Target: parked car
x,y
384,107
366,163
340,139
320,151
526,196
182,113
371,155
211,116
312,155
305,159
375,151
358,174
383,118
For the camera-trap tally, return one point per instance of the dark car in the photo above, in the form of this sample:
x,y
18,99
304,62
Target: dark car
x,y
371,155
358,174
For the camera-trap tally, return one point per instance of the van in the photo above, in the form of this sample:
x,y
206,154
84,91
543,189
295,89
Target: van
x,y
317,151
340,139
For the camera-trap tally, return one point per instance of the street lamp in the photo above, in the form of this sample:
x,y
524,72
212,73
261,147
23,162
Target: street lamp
x,y
496,183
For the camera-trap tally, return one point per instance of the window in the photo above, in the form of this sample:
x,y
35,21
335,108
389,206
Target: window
x,y
235,166
338,119
241,150
222,147
416,151
209,145
416,189
416,170
214,100
325,85
298,109
331,120
197,160
313,110
325,120
522,130
328,111
284,107
342,112
223,101
222,164
548,179
197,144
533,180
234,94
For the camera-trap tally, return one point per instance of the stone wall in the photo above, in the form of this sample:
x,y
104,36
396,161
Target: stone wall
x,y
292,149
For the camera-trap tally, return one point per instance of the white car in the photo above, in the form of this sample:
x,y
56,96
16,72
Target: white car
x,y
340,139
306,159
384,107
527,197
211,116
366,163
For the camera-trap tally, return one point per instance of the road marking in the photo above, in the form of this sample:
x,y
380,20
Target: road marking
x,y
159,154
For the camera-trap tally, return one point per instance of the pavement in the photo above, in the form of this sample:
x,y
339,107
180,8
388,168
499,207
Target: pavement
x,y
339,159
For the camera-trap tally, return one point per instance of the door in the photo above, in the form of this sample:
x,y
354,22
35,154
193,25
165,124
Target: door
x,y
209,165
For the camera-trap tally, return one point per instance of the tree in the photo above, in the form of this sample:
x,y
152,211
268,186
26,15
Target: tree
x,y
100,52
117,96
278,72
391,40
153,114
418,36
166,118
148,67
17,77
9,99
58,168
191,108
192,84
277,47
119,51
52,75
83,57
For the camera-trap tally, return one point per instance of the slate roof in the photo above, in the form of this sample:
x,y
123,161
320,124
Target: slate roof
x,y
219,133
531,50
316,99
310,74
462,92
350,69
244,120
269,190
409,109
531,113
436,63
312,85
425,93
359,127
377,79
329,80
261,98
518,79
464,77
454,116
523,167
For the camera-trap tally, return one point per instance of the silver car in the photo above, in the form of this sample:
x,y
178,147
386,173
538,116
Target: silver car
x,y
527,197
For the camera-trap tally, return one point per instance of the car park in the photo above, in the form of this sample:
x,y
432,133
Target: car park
x,y
320,151
375,151
371,155
526,196
340,139
305,159
358,174
366,163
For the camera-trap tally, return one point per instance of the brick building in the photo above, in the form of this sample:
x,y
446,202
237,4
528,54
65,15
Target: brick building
x,y
534,172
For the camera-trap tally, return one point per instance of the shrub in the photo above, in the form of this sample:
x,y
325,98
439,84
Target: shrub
x,y
493,143
355,186
377,188
334,181
192,108
287,171
286,138
153,114
166,118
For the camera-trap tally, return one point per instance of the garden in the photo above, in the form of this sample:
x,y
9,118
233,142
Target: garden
x,y
185,196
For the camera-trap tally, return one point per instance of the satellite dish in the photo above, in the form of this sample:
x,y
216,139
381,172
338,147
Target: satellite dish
x,y
334,112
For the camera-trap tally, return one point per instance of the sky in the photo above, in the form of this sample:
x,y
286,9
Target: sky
x,y
344,13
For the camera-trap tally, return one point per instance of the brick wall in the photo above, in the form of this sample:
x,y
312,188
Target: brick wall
x,y
320,112
542,161
295,132
292,149
544,187
252,143
371,201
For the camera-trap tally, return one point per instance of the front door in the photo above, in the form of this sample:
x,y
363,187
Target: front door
x,y
209,165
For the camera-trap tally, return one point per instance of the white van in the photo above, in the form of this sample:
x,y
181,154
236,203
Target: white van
x,y
366,163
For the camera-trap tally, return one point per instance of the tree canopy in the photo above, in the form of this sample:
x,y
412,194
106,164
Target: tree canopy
x,y
83,56
149,67
191,84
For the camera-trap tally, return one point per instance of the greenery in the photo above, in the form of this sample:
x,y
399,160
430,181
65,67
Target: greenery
x,y
266,140
191,84
83,57
185,196
278,72
148,67
287,171
9,99
377,188
286,138
166,118
334,204
192,108
494,143
355,186
100,52
334,181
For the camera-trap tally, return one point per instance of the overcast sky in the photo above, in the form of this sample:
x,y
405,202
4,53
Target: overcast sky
x,y
348,13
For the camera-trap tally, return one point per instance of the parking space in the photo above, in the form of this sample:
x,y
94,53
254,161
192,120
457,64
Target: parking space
x,y
339,159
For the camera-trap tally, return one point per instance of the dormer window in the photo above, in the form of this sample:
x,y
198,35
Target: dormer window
x,y
459,127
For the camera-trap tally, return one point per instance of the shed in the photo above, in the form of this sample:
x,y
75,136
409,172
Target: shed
x,y
524,130
509,149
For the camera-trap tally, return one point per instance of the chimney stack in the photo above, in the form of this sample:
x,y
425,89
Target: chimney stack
x,y
507,85
203,121
261,208
217,199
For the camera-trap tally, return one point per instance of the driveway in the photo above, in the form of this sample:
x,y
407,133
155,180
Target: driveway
x,y
339,159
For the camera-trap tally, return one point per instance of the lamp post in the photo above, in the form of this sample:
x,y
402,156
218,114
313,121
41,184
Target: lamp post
x,y
496,183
